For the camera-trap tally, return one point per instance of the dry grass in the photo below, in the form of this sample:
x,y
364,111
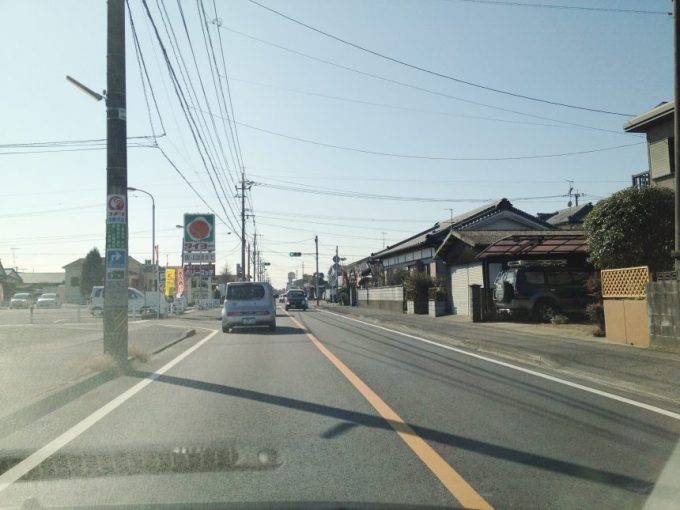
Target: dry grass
x,y
560,319
102,363
136,353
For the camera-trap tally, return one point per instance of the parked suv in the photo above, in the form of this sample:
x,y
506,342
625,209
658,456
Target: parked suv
x,y
541,289
296,298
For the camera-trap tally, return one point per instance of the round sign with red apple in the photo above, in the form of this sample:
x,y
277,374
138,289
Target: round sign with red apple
x,y
199,229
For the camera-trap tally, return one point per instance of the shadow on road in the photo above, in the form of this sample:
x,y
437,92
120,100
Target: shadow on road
x,y
280,330
354,418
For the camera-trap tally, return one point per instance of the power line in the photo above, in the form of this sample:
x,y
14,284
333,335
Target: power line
x,y
207,103
434,158
435,73
408,109
143,73
564,7
272,177
184,105
374,196
172,163
416,87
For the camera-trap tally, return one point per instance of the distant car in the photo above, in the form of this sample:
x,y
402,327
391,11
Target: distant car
x,y
249,304
21,300
48,300
296,298
541,289
282,298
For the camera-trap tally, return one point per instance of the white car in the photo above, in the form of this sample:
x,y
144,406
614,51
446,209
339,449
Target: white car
x,y
21,300
48,300
136,301
249,304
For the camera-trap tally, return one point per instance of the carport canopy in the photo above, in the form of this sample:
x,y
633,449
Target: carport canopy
x,y
537,245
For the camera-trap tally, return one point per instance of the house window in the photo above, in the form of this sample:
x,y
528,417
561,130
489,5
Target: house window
x,y
75,281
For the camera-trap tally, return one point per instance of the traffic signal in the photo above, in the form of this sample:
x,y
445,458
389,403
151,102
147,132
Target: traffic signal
x,y
265,263
295,254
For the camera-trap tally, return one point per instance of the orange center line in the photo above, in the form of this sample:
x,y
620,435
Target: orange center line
x,y
449,477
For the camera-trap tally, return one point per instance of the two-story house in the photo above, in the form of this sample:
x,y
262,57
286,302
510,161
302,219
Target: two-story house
x,y
657,124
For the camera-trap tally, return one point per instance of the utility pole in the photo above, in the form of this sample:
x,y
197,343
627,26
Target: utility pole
x,y
248,266
255,275
337,278
245,185
116,280
316,275
243,227
676,130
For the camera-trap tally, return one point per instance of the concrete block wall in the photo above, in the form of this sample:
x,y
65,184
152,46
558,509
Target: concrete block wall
x,y
386,298
663,305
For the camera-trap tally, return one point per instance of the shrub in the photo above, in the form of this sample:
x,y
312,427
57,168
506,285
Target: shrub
x,y
595,312
633,227
417,285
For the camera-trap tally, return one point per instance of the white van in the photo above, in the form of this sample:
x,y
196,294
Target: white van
x,y
249,304
136,301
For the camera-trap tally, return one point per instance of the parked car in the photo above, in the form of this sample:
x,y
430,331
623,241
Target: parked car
x,y
48,300
249,304
541,289
296,298
136,301
21,300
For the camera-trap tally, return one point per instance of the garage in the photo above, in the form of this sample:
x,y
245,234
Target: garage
x,y
462,276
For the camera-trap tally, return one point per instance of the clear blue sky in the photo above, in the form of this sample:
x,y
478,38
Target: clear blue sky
x,y
53,203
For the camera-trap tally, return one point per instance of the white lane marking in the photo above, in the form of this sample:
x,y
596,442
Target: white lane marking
x,y
612,396
15,473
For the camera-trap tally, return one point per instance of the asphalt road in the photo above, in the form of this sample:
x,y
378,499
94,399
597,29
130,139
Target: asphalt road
x,y
328,412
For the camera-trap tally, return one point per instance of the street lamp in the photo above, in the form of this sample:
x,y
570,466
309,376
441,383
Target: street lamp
x,y
154,259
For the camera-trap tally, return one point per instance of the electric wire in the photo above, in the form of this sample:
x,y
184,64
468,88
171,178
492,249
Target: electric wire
x,y
435,73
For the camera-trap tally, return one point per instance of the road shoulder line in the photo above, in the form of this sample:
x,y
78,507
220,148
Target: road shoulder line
x,y
558,380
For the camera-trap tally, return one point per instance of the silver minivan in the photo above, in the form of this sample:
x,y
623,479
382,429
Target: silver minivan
x,y
249,304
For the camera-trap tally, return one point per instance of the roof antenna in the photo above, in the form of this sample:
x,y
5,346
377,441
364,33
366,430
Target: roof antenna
x,y
571,190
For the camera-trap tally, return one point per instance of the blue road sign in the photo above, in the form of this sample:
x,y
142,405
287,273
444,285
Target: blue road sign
x,y
115,259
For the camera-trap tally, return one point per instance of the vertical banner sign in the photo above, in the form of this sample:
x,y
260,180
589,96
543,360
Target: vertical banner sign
x,y
161,281
169,281
180,283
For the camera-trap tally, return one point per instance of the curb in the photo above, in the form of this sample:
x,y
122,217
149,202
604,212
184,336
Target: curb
x,y
187,334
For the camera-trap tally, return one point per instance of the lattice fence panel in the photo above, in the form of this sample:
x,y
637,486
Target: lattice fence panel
x,y
629,282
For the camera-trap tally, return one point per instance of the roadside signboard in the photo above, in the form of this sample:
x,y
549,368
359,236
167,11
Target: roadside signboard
x,y
200,270
169,281
199,257
199,232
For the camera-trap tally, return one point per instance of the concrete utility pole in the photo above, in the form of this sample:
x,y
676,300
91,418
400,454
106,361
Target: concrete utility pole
x,y
337,276
116,280
248,266
676,137
245,186
316,275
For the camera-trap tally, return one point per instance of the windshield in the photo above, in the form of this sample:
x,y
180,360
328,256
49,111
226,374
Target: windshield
x,y
245,292
382,254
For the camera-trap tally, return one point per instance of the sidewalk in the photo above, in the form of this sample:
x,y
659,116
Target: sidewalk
x,y
44,366
563,352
